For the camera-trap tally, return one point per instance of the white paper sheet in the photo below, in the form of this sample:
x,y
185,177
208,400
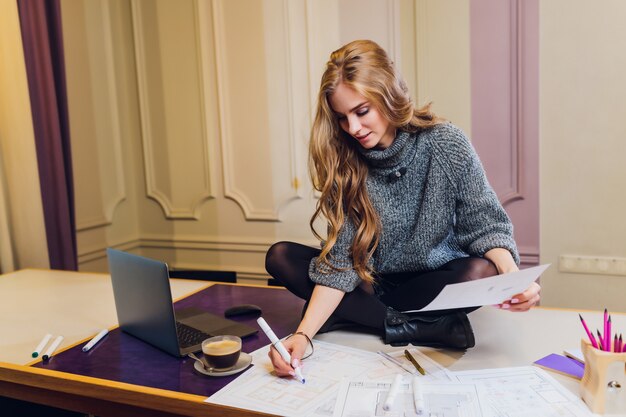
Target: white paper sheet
x,y
485,291
504,392
260,389
442,399
524,392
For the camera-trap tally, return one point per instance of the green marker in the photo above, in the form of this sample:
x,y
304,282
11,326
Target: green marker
x,y
41,345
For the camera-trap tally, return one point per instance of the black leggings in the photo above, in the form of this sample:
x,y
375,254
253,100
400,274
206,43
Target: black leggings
x,y
288,263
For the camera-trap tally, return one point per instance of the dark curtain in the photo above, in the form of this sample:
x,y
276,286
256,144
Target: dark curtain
x,y
43,52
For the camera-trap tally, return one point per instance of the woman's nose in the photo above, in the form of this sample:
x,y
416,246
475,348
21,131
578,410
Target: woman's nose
x,y
354,126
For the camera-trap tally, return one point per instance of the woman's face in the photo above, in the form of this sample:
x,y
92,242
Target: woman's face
x,y
360,119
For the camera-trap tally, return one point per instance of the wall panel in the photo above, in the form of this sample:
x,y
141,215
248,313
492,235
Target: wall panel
x,y
259,136
443,59
505,114
93,102
172,98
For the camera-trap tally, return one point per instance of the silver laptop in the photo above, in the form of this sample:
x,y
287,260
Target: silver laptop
x,y
143,300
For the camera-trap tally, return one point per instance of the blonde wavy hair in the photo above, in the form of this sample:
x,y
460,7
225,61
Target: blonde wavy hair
x,y
337,169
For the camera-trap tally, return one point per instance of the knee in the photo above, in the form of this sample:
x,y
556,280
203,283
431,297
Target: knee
x,y
477,268
277,252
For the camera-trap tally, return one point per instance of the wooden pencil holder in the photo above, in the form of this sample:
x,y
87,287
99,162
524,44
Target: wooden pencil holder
x,y
603,386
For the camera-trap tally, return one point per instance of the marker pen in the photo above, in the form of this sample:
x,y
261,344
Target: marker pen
x,y
418,397
95,340
41,345
52,348
393,392
279,347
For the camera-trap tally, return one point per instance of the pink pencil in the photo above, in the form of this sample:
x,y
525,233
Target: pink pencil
x,y
591,338
604,340
600,340
607,335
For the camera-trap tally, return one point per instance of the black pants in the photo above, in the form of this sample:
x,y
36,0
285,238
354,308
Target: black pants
x,y
288,263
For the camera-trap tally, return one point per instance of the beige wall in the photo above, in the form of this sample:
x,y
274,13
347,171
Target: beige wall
x,y
190,123
190,119
583,143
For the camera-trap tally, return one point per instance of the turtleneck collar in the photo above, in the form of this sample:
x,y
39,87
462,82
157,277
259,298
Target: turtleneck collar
x,y
391,156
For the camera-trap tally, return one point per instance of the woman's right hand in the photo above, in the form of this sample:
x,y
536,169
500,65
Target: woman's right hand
x,y
323,302
296,346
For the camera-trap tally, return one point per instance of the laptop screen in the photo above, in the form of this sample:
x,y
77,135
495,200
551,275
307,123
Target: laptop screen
x,y
143,299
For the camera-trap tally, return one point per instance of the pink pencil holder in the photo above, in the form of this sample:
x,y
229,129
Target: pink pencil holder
x,y
603,386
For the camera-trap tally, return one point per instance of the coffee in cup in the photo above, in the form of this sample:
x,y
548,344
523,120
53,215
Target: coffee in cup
x,y
221,352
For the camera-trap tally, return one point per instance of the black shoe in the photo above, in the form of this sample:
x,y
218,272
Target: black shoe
x,y
447,330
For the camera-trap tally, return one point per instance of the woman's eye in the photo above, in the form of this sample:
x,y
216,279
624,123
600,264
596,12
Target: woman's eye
x,y
362,112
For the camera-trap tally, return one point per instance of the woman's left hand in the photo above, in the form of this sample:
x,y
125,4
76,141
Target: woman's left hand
x,y
523,301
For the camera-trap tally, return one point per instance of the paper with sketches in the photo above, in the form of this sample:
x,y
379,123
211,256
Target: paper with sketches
x,y
505,392
260,389
442,399
524,392
485,291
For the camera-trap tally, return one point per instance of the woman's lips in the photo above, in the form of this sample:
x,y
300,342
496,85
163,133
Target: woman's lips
x,y
362,138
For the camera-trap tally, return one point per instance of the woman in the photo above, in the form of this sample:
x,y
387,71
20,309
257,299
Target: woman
x,y
408,207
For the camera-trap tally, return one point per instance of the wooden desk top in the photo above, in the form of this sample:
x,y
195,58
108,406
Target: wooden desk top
x,y
75,305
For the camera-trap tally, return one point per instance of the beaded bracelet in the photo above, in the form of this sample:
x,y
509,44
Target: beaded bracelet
x,y
307,338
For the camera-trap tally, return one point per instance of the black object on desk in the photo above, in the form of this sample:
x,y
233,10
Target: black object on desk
x,y
242,309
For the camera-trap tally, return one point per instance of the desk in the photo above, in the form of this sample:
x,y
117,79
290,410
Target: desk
x,y
151,383
503,339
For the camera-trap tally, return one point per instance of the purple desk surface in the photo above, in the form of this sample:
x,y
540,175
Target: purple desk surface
x,y
123,358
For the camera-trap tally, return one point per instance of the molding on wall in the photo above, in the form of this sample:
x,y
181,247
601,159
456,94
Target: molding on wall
x,y
92,223
504,45
530,259
230,188
115,141
204,75
311,12
152,190
528,256
211,243
253,245
393,26
294,166
93,254
516,135
205,46
422,46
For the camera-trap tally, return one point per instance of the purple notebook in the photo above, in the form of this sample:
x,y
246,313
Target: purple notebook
x,y
562,364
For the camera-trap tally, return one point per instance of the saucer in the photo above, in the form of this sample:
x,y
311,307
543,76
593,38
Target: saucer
x,y
242,363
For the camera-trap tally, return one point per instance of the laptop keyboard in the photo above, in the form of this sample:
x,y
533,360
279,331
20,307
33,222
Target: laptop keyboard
x,y
189,336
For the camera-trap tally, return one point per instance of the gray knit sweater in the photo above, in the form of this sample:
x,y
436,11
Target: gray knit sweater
x,y
441,209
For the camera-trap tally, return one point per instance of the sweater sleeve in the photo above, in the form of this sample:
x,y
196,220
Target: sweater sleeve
x,y
481,223
344,277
